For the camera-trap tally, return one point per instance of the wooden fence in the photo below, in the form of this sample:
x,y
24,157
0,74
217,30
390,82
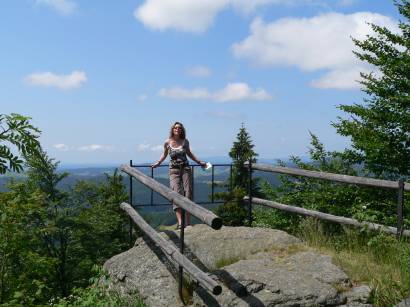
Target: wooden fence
x,y
168,248
400,186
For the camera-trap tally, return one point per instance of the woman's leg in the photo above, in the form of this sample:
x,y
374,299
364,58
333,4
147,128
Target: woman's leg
x,y
187,182
175,182
179,215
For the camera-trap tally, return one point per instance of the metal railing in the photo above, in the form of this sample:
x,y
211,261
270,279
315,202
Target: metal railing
x,y
151,172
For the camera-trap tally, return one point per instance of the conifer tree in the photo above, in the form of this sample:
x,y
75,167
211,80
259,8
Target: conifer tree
x,y
380,128
234,211
241,152
42,176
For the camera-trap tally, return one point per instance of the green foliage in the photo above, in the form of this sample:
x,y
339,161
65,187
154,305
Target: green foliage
x,y
42,175
97,294
101,229
365,204
58,221
379,128
272,218
226,261
376,259
234,211
51,239
24,268
241,152
16,132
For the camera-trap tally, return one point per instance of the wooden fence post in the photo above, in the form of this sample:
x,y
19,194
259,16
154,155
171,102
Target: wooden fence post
x,y
181,250
400,207
250,193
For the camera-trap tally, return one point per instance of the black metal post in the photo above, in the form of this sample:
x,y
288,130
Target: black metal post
x,y
212,184
400,208
152,192
130,201
192,183
250,193
230,178
181,249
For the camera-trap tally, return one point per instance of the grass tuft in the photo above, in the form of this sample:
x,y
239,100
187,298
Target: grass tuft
x,y
226,261
376,259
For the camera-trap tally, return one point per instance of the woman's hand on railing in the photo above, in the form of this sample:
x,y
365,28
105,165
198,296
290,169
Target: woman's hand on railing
x,y
155,164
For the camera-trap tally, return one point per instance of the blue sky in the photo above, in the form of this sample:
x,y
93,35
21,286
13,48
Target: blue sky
x,y
104,80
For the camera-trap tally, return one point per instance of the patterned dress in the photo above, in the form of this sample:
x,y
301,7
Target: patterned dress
x,y
179,170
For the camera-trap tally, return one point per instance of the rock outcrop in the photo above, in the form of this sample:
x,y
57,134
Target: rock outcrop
x,y
404,303
255,266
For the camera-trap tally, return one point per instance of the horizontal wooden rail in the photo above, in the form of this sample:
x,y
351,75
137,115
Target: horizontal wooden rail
x,y
329,176
201,213
326,216
172,252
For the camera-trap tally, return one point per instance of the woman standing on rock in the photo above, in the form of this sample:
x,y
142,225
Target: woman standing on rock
x,y
177,146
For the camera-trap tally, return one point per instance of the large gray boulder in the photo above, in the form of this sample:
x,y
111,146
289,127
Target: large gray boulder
x,y
255,266
145,271
214,247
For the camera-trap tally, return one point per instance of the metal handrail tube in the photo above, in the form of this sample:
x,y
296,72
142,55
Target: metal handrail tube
x,y
169,204
167,165
172,252
201,213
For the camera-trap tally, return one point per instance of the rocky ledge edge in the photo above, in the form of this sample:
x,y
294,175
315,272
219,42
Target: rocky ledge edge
x,y
255,266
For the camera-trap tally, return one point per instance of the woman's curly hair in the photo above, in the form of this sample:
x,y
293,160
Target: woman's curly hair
x,y
171,131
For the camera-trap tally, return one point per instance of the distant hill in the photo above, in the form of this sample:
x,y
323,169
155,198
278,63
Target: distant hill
x,y
142,195
155,215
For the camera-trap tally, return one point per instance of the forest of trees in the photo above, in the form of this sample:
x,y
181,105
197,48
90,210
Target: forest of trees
x,y
52,241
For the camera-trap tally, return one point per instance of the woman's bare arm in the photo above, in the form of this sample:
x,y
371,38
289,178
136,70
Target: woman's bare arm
x,y
192,156
163,156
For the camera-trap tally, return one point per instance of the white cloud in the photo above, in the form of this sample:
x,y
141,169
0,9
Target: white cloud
x,y
179,93
248,6
198,71
149,147
340,79
95,147
157,148
143,147
309,43
62,82
232,92
240,91
198,16
142,97
64,7
62,147
185,15
318,43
